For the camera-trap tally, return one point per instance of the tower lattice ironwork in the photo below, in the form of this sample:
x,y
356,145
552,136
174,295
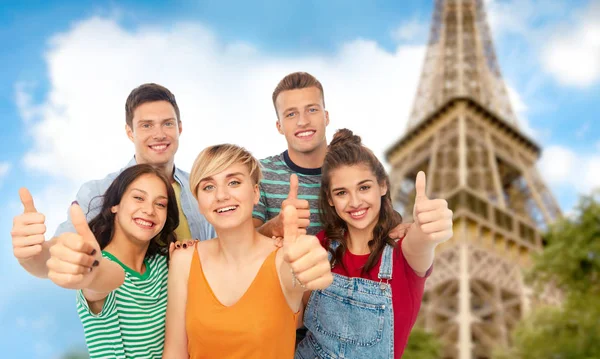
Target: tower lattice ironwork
x,y
463,133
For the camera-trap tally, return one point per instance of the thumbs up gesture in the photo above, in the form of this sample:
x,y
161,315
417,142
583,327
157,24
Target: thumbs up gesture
x,y
28,229
432,218
75,255
306,257
301,205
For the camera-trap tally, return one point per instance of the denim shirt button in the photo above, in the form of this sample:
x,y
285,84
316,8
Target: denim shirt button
x,y
382,286
383,306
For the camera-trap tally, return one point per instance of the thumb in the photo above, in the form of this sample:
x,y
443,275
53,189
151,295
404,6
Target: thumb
x,y
290,224
80,222
420,184
27,200
293,194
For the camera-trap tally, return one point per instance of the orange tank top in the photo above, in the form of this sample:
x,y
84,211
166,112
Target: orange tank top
x,y
259,325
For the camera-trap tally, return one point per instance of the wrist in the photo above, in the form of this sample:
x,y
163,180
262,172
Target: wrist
x,y
418,247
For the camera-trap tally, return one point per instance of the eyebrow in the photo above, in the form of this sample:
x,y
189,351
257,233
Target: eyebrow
x,y
358,184
146,193
151,121
229,175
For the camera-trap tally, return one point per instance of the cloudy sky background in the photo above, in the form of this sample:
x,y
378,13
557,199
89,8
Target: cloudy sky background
x,y
68,67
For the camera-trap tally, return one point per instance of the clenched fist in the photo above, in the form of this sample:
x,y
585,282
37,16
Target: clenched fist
x,y
75,255
28,229
432,218
305,255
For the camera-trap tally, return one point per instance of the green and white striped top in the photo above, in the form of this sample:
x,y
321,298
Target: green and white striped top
x,y
275,186
132,321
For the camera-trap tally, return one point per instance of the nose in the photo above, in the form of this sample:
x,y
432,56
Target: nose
x,y
222,193
355,200
148,208
303,119
159,133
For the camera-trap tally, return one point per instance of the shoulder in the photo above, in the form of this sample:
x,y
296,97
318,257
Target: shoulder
x,y
97,186
181,174
273,162
181,261
322,237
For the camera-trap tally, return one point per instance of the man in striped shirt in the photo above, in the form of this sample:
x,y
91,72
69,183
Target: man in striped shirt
x,y
294,176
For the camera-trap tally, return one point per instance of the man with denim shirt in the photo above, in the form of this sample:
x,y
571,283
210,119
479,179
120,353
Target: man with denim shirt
x,y
153,125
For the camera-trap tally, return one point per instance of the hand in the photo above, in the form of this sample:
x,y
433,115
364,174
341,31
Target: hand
x,y
75,255
181,244
305,255
302,209
399,231
433,219
28,229
277,241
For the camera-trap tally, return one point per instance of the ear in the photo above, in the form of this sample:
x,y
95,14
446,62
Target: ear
x,y
279,128
114,209
180,125
129,132
326,118
383,189
256,194
329,201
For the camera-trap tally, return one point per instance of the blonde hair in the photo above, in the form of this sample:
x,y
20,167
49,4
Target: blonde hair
x,y
218,158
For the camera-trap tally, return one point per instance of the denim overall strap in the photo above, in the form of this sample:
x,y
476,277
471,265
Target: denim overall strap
x,y
387,257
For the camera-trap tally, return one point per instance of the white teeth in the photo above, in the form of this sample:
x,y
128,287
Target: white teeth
x,y
159,148
143,223
305,134
226,209
358,213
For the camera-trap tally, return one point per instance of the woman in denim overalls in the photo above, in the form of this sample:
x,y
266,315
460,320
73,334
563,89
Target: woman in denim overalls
x,y
359,315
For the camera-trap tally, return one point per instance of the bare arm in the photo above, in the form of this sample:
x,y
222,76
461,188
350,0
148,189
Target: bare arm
x,y
176,334
418,253
36,265
109,276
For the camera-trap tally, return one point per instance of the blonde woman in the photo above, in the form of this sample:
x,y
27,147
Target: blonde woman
x,y
237,296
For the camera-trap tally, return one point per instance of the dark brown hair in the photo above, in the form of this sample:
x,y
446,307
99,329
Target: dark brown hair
x,y
103,225
346,149
148,93
297,81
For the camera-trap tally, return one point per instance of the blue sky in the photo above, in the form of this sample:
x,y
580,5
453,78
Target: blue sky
x,y
68,67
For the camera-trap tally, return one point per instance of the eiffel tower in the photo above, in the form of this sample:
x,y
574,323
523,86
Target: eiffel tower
x,y
463,133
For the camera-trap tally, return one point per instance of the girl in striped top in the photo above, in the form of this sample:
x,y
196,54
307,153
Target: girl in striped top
x,y
118,264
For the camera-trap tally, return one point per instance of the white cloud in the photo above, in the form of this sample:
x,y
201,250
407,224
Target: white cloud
x,y
520,109
411,30
223,90
4,168
572,54
563,167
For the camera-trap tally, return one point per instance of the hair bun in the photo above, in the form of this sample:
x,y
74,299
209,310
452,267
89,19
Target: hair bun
x,y
344,137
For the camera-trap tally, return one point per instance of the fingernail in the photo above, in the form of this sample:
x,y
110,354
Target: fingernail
x,y
74,202
93,252
184,245
95,264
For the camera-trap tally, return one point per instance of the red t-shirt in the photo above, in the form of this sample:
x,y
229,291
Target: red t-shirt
x,y
407,289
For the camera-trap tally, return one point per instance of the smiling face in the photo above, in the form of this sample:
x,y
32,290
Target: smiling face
x,y
142,211
226,199
155,133
356,196
302,119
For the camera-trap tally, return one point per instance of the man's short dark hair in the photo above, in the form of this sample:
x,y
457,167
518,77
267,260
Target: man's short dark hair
x,y
150,92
